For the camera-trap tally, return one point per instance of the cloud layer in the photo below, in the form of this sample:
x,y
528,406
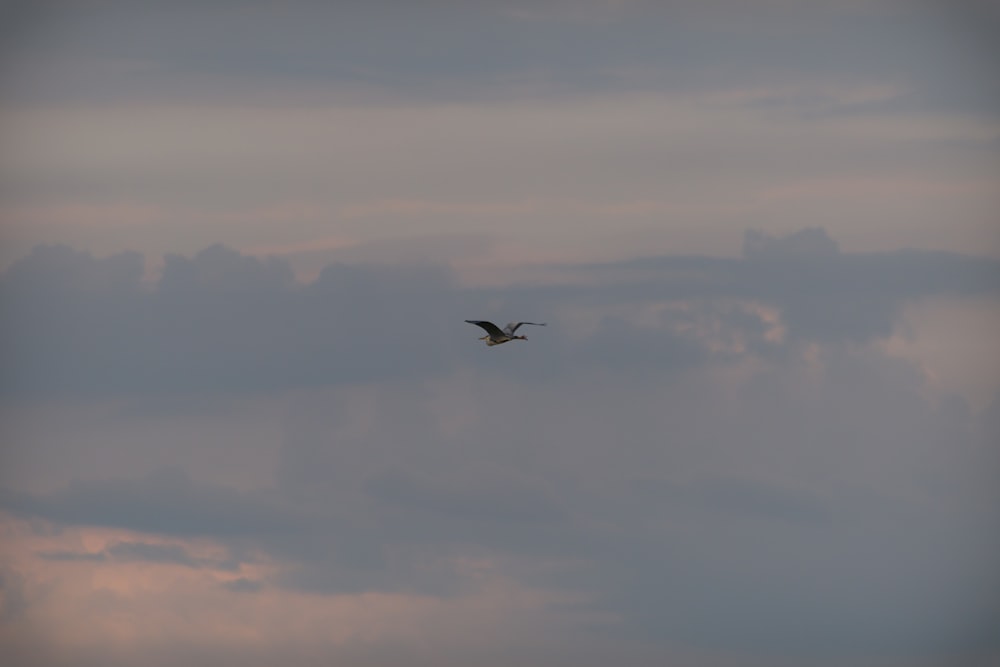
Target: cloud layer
x,y
698,457
288,448
222,321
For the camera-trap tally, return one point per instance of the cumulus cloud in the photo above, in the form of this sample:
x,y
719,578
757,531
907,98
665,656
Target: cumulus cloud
x,y
217,322
823,294
221,321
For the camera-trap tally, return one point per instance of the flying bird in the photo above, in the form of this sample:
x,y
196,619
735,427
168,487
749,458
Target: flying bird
x,y
495,335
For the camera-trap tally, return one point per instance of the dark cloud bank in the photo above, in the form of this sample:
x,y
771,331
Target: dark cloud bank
x,y
847,516
225,322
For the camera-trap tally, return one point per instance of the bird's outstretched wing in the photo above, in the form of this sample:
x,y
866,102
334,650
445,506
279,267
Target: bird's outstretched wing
x,y
491,329
513,326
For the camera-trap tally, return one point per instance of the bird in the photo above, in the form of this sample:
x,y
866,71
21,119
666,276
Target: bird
x,y
495,335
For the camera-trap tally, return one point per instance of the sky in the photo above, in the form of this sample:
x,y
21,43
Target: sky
x,y
242,418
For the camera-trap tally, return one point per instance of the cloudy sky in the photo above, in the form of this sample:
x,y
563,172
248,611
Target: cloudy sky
x,y
242,418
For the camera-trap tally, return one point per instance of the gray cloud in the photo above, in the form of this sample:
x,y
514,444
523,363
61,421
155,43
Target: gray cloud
x,y
747,499
506,47
243,585
217,322
737,460
166,502
130,551
468,500
222,322
74,556
13,598
823,293
741,498
174,554
850,512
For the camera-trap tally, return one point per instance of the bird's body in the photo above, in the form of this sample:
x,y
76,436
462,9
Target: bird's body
x,y
495,335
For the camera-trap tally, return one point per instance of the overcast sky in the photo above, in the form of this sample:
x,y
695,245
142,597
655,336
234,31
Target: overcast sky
x,y
242,418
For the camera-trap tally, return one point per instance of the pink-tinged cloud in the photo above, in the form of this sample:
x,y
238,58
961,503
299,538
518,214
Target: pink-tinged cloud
x,y
311,246
420,207
73,604
530,206
953,341
133,213
27,220
889,188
